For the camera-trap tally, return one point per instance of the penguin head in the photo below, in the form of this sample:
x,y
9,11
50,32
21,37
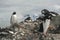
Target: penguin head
x,y
14,13
44,11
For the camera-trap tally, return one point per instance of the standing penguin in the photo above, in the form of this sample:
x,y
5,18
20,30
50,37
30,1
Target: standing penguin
x,y
46,19
13,19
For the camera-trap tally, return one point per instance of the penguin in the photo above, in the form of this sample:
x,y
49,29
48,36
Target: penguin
x,y
46,19
28,19
13,19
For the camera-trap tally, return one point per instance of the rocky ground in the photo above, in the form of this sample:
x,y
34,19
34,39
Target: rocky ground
x,y
28,31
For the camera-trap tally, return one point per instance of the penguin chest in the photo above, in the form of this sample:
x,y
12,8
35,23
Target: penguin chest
x,y
14,19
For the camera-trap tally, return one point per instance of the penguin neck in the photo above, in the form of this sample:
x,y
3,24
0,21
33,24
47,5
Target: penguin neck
x,y
14,15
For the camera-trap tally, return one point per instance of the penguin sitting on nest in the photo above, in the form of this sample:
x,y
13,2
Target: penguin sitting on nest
x,y
28,19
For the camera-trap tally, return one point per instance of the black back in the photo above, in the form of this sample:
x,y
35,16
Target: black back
x,y
41,28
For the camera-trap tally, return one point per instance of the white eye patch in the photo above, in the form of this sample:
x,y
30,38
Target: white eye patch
x,y
43,11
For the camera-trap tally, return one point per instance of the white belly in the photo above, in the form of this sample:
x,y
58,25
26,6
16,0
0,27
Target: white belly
x,y
46,25
13,19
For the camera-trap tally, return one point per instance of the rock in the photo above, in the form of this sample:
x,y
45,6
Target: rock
x,y
26,31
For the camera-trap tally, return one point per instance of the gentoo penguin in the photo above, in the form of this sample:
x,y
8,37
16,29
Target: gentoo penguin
x,y
46,19
13,19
